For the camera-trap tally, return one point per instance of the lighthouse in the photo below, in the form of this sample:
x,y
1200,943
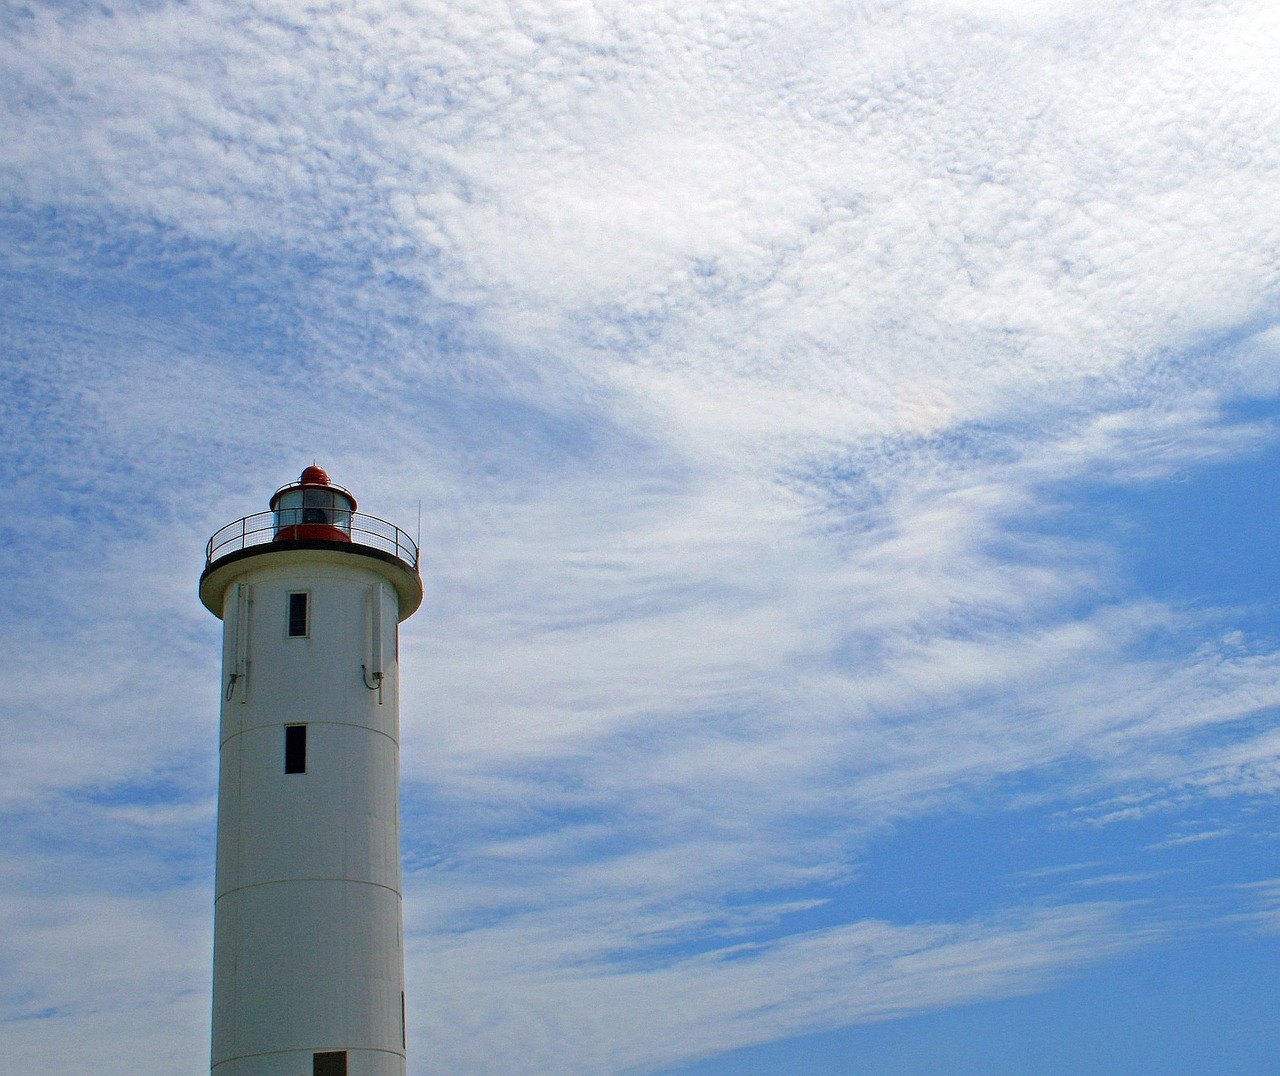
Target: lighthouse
x,y
308,949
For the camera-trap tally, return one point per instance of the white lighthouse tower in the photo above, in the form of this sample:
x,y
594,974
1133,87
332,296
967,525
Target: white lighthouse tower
x,y
308,964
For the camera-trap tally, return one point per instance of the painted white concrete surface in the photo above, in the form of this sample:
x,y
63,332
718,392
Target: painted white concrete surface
x,y
308,937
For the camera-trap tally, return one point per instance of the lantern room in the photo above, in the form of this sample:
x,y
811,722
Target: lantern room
x,y
312,508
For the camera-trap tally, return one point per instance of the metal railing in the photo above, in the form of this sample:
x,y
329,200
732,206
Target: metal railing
x,y
262,528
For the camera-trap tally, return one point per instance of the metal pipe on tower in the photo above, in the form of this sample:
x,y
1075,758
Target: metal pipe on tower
x,y
308,965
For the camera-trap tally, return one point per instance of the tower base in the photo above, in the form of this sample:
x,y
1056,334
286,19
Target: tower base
x,y
305,1063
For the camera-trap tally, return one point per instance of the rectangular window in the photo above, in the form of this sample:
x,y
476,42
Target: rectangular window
x,y
295,749
298,615
333,1063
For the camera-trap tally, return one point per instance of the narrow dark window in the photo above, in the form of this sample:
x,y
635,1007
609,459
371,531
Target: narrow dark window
x,y
333,1063
295,749
404,1032
297,614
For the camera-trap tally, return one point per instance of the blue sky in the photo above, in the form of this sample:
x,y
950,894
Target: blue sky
x,y
846,437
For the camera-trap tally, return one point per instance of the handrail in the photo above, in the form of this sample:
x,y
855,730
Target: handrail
x,y
262,528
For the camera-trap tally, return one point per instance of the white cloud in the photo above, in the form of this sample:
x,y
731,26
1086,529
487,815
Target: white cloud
x,y
491,1017
101,981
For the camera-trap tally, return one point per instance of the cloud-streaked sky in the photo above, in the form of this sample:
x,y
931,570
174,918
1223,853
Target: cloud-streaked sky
x,y
847,438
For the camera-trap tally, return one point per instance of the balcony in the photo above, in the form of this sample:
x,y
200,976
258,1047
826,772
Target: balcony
x,y
309,523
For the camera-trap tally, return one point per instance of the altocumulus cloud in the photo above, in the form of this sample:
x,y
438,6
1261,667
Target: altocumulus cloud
x,y
782,384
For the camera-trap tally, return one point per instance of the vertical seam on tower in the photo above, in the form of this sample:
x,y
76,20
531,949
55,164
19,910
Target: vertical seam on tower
x,y
235,906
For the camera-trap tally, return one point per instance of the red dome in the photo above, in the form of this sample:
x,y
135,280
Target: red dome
x,y
313,478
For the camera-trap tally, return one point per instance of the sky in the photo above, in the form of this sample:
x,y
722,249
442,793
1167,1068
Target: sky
x,y
847,442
